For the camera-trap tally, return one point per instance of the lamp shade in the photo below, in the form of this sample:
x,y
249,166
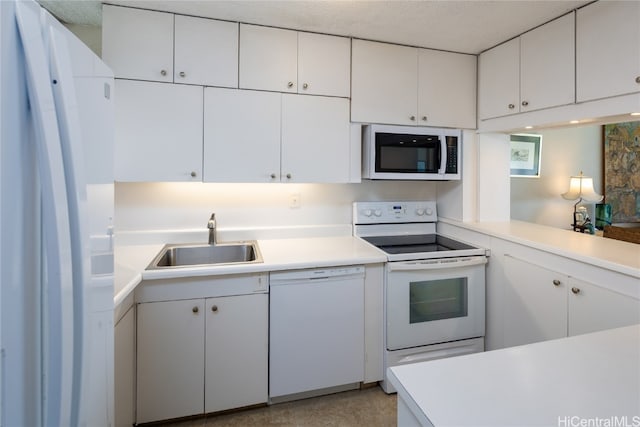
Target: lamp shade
x,y
581,187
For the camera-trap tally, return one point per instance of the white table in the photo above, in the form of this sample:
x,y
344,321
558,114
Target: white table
x,y
562,382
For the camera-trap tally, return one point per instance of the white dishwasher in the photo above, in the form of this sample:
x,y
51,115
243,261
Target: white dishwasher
x,y
316,331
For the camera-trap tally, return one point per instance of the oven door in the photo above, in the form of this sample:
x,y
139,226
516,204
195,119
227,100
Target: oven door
x,y
434,301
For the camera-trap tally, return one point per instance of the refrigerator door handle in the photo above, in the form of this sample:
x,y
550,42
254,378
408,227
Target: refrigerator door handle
x,y
57,345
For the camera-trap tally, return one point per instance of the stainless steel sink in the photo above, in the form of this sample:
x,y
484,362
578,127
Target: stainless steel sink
x,y
191,255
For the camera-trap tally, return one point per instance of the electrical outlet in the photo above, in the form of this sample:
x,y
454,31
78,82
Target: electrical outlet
x,y
294,200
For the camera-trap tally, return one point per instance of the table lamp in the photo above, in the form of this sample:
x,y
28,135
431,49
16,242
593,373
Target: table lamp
x,y
581,188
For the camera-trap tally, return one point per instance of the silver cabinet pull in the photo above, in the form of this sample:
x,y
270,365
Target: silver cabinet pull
x,y
290,84
195,309
163,72
412,118
214,308
288,176
182,74
193,174
273,176
525,103
556,282
512,106
424,118
638,79
305,86
575,290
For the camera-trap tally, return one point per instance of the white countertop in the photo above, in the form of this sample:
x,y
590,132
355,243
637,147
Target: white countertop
x,y
616,255
277,254
587,376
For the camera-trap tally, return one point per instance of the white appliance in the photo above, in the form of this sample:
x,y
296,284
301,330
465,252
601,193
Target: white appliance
x,y
56,256
316,331
411,153
434,297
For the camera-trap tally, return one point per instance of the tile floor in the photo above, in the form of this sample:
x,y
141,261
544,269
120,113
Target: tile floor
x,y
369,407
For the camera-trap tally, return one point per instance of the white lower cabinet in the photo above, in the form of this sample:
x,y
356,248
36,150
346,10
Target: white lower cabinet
x,y
201,355
541,304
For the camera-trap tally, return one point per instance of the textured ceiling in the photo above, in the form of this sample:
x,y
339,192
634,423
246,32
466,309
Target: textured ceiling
x,y
468,26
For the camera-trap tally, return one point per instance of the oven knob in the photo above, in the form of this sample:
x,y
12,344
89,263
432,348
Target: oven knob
x,y
367,212
419,211
377,212
429,212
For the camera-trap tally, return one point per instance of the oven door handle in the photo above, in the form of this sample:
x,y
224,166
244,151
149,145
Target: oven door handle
x,y
437,264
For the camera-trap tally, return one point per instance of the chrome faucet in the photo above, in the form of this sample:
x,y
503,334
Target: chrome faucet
x,y
211,225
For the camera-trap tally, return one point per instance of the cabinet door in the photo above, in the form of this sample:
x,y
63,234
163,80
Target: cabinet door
x,y
384,79
592,308
170,368
236,351
315,139
125,370
206,52
535,303
499,80
268,58
158,133
138,44
324,65
607,49
235,151
547,65
446,89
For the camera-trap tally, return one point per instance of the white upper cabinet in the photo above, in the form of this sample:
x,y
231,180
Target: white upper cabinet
x,y
315,139
138,44
607,49
142,45
235,151
531,72
547,65
206,52
288,61
410,86
446,89
268,58
324,65
158,132
383,83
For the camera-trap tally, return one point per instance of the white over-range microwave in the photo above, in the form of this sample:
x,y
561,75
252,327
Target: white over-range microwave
x,y
411,153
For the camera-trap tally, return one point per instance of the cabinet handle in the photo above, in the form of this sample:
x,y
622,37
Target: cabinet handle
x,y
182,74
193,174
305,86
556,282
273,176
290,85
288,176
525,103
424,118
638,79
163,72
195,309
413,118
575,290
214,308
512,106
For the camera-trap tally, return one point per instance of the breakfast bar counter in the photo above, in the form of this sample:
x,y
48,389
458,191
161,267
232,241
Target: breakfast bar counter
x,y
592,378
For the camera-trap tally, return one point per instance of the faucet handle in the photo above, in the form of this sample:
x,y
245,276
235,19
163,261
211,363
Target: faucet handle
x,y
212,221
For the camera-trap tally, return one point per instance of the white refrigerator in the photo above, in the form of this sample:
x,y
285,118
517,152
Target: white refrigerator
x,y
56,199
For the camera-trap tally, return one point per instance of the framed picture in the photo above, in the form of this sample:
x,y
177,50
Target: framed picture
x,y
525,155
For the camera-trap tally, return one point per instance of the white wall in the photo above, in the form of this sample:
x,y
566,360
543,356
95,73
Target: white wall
x,y
565,152
167,206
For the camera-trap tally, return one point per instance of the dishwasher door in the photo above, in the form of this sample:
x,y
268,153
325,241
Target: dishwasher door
x,y
316,329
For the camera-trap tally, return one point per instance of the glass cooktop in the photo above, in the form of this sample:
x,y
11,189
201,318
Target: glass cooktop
x,y
416,244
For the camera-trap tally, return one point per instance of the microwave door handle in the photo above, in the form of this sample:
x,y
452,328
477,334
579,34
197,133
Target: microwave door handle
x,y
442,164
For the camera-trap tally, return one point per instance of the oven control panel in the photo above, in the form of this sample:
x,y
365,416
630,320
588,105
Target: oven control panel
x,y
394,212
